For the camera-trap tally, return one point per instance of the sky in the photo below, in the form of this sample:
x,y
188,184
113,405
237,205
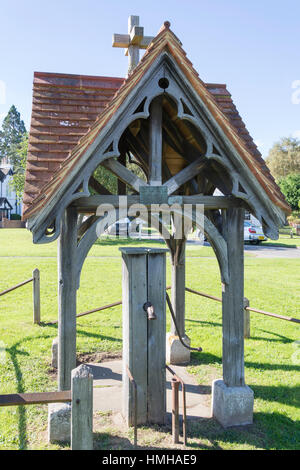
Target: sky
x,y
251,45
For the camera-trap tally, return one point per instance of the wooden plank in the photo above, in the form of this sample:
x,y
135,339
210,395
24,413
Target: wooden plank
x,y
120,40
82,409
67,251
233,301
246,318
157,339
90,203
155,143
185,175
178,285
134,295
16,399
123,173
36,296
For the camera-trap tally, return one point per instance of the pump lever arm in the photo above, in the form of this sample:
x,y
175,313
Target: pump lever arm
x,y
177,331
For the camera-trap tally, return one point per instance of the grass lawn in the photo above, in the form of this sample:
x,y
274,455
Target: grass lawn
x,y
271,358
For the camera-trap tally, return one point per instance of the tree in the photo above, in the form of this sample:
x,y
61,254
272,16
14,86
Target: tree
x,y
20,156
290,186
13,130
284,158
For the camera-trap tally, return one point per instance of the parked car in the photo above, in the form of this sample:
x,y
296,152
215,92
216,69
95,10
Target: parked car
x,y
253,233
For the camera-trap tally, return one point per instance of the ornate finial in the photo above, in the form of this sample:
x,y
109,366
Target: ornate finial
x,y
167,24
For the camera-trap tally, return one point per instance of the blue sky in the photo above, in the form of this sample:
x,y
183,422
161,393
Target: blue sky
x,y
252,45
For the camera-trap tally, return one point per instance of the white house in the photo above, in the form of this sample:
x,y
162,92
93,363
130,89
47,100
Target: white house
x,y
9,203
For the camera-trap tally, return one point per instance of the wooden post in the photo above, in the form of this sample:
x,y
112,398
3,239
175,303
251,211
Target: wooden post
x,y
157,338
36,296
233,301
144,340
67,247
82,409
155,153
178,286
246,318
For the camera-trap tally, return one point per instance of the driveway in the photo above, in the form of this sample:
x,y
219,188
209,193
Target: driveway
x,y
266,251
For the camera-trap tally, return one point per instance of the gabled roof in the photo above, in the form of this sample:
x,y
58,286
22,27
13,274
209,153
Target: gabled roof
x,y
220,106
64,106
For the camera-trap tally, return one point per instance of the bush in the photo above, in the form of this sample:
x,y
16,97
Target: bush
x,y
15,217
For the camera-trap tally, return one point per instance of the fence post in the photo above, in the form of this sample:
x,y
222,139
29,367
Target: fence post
x,y
36,296
246,318
82,408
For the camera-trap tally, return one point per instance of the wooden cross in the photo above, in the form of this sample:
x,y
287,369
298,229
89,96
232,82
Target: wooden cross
x,y
132,42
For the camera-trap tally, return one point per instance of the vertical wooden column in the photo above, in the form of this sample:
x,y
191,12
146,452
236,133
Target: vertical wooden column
x,y
67,247
178,286
233,301
155,144
157,337
144,340
36,296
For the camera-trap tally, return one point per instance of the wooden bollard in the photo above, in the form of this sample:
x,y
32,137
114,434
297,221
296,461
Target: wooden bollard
x,y
36,296
82,408
246,318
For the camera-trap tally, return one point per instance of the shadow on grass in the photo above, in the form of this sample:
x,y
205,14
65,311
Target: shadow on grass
x,y
269,431
84,333
14,352
126,241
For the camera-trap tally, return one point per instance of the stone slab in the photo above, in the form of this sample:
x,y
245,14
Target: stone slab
x,y
232,406
59,422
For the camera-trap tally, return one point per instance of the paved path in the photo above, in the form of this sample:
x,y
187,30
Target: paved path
x,y
108,390
266,251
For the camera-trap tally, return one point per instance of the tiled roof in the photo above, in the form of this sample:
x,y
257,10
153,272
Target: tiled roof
x,y
63,109
216,98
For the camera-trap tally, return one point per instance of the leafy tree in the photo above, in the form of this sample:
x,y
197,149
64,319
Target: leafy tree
x,y
20,156
284,158
290,186
13,130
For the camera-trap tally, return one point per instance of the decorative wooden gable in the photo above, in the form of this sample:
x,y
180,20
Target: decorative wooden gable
x,y
167,121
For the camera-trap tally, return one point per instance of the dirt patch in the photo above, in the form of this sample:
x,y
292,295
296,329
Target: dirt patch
x,y
97,357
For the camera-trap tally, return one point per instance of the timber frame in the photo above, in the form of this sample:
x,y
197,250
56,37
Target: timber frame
x,y
164,128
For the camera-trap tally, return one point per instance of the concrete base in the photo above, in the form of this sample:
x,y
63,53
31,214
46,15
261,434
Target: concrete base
x,y
176,353
232,406
54,353
59,422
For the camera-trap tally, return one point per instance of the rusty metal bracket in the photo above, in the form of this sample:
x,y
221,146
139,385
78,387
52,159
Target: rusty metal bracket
x,y
175,409
133,383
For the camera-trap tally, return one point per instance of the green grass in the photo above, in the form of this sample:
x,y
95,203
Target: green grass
x,y
271,359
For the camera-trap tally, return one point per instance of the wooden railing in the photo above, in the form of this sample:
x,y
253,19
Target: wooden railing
x,y
35,279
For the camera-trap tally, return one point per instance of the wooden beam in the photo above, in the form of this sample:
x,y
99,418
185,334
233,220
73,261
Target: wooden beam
x,y
185,175
155,142
233,301
67,250
89,204
123,174
17,399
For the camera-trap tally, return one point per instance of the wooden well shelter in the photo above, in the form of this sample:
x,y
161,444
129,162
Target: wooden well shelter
x,y
187,138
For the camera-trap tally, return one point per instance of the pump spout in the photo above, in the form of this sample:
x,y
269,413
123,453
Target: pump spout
x,y
149,309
